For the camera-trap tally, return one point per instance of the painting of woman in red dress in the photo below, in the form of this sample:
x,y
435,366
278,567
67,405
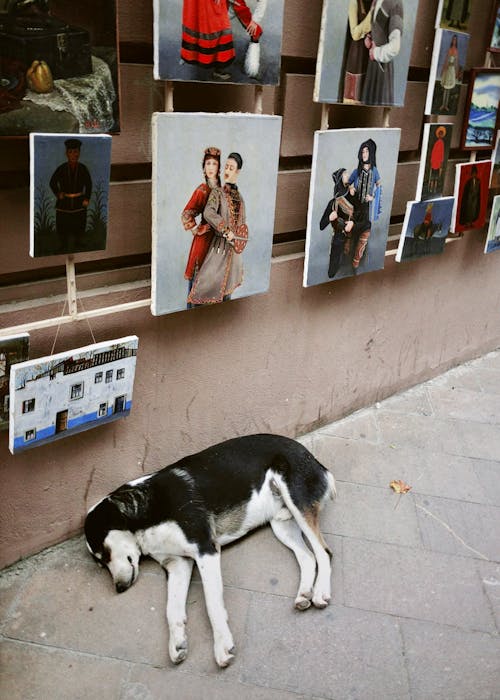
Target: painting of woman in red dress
x,y
202,233
207,38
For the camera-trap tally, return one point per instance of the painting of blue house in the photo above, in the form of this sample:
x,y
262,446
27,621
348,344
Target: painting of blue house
x,y
60,395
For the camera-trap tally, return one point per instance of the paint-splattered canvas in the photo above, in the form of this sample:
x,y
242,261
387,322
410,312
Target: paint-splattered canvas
x,y
58,67
233,41
350,200
493,238
213,219
13,349
364,51
447,69
425,228
57,396
482,111
471,195
69,190
436,143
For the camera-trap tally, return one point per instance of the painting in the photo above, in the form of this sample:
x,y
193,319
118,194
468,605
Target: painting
x,y
13,349
213,221
58,67
436,143
454,14
233,41
447,68
425,228
493,238
69,190
481,119
494,46
495,164
364,51
350,200
471,195
57,396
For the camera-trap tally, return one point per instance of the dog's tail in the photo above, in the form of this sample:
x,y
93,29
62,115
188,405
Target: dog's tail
x,y
332,488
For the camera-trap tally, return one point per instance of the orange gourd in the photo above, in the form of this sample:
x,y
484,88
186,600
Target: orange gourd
x,y
39,77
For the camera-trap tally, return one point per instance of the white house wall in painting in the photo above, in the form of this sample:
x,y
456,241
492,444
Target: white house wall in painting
x,y
53,397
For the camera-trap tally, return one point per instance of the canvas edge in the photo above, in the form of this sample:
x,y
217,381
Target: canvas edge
x,y
402,237
310,202
496,199
320,53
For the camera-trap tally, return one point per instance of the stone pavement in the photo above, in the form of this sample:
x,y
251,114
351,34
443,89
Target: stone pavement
x,y
416,604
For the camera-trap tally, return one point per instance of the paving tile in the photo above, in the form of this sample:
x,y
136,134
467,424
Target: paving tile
x,y
415,401
261,563
458,527
445,663
332,653
464,376
463,404
490,578
148,683
427,471
418,432
361,425
489,380
33,672
372,513
479,440
415,583
491,360
488,475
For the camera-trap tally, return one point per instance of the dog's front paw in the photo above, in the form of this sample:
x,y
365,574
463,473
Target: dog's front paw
x,y
224,651
178,651
321,600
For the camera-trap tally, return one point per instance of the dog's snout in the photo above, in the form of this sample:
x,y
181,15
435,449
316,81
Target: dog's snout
x,y
121,586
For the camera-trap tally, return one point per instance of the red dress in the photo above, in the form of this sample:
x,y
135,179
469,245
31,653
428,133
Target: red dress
x,y
207,39
201,242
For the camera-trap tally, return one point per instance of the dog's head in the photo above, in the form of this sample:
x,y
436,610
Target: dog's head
x,y
112,544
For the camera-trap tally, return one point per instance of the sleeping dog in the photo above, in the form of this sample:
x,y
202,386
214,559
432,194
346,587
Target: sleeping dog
x,y
187,511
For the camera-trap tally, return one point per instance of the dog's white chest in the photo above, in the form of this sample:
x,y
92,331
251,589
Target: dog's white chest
x,y
164,540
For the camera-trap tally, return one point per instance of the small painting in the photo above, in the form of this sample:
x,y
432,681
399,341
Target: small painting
x,y
481,113
425,228
447,68
495,164
494,46
350,200
493,238
213,233
218,41
57,396
69,190
58,67
434,159
471,195
454,14
13,349
364,51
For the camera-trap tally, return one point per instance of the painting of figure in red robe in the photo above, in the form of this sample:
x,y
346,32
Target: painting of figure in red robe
x,y
471,195
221,41
435,152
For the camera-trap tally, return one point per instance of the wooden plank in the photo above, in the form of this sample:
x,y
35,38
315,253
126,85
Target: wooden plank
x,y
135,21
301,25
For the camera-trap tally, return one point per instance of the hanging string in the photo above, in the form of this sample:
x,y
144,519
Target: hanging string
x,y
79,299
58,326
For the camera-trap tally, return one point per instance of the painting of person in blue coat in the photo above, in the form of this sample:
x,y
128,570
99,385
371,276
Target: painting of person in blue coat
x,y
366,181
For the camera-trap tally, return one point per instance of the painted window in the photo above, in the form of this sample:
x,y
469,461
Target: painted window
x,y
30,435
109,376
77,391
120,373
103,409
28,405
98,377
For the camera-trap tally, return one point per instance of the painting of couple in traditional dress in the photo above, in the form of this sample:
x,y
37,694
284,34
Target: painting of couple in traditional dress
x,y
212,233
350,200
364,51
228,41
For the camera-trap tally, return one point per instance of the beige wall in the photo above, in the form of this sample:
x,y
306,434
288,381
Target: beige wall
x,y
287,361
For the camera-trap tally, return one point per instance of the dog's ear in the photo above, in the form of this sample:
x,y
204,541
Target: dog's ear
x,y
99,521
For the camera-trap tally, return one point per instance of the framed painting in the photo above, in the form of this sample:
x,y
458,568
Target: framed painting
x,y
60,395
213,233
350,199
494,46
471,195
357,61
492,243
447,68
436,143
454,14
13,349
234,41
69,190
481,117
425,228
58,67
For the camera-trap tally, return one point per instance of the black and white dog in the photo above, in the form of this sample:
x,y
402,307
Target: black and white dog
x,y
187,511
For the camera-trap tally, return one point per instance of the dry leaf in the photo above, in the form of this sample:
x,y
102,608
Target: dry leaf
x,y
399,486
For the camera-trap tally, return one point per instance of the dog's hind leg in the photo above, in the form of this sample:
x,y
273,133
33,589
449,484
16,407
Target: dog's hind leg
x,y
211,578
179,576
289,533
